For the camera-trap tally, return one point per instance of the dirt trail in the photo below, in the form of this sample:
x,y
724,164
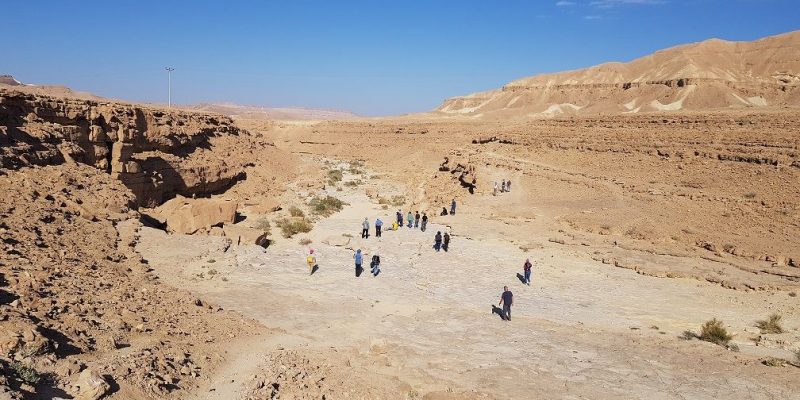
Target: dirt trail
x,y
582,330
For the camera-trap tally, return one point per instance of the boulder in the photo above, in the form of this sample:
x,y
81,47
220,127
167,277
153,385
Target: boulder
x,y
187,216
242,235
90,385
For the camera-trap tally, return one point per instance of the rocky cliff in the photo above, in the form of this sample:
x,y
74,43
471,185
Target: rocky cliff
x,y
156,153
714,74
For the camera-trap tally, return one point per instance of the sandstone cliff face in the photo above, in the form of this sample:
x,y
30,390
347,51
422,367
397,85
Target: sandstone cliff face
x,y
714,74
152,151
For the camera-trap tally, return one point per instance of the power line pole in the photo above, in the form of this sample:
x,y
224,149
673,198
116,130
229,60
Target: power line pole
x,y
169,85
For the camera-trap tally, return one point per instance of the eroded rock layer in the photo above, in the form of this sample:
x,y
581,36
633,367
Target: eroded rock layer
x,y
152,151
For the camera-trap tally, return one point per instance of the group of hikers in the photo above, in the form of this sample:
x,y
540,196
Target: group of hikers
x,y
441,242
505,186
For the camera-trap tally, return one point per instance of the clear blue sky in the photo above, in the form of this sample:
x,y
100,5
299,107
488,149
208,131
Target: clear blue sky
x,y
370,57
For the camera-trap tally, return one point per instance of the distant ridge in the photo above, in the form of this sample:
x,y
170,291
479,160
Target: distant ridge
x,y
713,74
280,113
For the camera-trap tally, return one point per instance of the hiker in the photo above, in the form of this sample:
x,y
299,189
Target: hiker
x,y
311,260
416,220
399,218
503,186
494,190
444,211
438,241
446,242
508,185
424,221
395,226
506,300
453,207
365,229
410,218
358,258
376,264
378,226
527,269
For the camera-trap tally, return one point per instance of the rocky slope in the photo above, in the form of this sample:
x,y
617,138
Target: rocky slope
x,y
714,74
156,153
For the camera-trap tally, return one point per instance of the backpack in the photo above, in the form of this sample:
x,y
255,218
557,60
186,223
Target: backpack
x,y
311,260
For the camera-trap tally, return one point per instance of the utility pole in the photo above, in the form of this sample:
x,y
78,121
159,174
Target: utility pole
x,y
169,85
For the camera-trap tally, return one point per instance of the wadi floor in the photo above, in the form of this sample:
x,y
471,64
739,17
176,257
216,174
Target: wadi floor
x,y
425,327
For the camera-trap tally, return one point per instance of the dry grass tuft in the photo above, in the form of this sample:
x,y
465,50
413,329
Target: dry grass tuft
x,y
296,212
771,324
292,226
713,331
326,206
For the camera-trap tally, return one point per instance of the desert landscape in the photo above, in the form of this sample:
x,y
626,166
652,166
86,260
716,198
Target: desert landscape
x,y
161,252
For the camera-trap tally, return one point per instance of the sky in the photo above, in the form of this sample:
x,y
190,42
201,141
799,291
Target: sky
x,y
370,57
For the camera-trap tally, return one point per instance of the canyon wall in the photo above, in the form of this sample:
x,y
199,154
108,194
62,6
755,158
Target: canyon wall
x,y
155,152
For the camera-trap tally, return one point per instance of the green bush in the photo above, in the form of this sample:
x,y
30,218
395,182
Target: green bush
x,y
771,324
25,373
713,331
326,206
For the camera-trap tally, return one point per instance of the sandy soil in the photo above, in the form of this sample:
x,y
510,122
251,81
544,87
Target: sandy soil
x,y
583,329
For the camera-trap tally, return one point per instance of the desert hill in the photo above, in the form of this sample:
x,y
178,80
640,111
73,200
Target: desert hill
x,y
280,113
713,74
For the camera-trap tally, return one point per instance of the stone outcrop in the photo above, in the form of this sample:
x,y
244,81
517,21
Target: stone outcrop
x,y
150,150
188,216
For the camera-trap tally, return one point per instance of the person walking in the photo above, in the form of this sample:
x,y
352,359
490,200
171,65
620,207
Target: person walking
x,y
378,227
365,229
399,218
410,218
424,222
416,220
376,264
506,300
503,186
446,241
358,259
438,241
311,260
453,207
527,269
508,185
494,190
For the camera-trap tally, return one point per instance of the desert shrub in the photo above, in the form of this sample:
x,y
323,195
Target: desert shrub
x,y
334,176
296,212
773,362
263,225
749,195
398,200
292,226
383,200
713,331
305,241
353,183
325,206
771,324
25,373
